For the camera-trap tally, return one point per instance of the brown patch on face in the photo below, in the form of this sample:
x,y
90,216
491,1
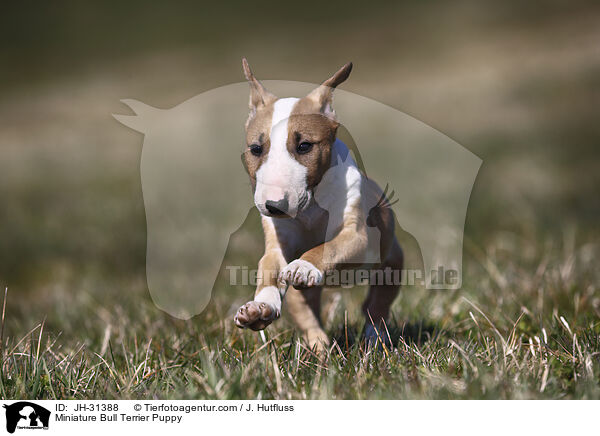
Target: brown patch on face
x,y
308,124
258,125
258,129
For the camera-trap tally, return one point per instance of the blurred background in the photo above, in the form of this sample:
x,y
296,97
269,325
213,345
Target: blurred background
x,y
516,83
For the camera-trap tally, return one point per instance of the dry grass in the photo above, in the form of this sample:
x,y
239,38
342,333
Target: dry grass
x,y
507,334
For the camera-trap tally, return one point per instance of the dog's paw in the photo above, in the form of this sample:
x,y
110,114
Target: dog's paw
x,y
301,273
318,341
255,315
376,336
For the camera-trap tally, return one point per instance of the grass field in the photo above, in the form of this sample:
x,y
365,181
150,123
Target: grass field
x,y
518,86
507,334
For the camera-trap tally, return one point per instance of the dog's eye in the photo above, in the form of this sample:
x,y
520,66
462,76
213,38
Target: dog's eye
x,y
304,147
256,149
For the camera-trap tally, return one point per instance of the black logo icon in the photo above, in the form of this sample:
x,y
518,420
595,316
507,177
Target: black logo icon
x,y
26,415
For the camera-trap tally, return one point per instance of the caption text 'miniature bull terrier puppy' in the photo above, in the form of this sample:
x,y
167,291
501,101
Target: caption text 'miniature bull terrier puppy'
x,y
317,211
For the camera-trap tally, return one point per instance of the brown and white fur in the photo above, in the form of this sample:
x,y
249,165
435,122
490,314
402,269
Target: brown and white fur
x,y
312,224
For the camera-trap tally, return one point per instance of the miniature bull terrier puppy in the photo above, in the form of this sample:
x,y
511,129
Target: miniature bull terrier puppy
x,y
320,214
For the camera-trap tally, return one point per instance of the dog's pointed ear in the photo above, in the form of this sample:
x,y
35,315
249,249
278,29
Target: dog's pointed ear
x,y
323,95
259,96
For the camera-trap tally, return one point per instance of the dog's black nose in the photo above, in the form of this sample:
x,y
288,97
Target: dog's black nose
x,y
277,207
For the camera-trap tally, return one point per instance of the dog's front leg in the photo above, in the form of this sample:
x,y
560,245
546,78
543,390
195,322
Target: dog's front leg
x,y
266,306
346,248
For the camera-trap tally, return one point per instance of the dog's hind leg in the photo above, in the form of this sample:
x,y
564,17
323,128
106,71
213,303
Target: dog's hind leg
x,y
377,305
304,307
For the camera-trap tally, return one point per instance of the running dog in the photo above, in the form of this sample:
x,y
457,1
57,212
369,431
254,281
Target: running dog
x,y
320,214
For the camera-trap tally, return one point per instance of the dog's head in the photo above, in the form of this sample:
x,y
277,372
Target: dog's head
x,y
288,144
